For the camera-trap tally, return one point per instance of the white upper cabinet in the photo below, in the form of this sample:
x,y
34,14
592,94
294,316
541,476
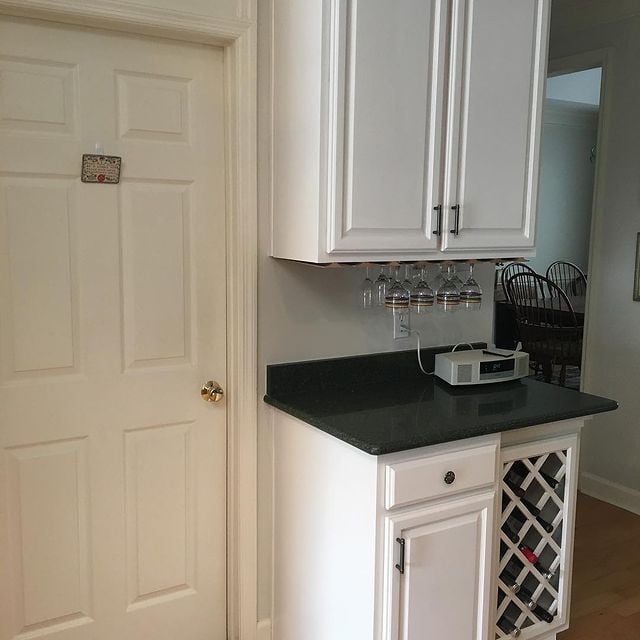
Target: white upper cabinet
x,y
385,124
493,134
387,113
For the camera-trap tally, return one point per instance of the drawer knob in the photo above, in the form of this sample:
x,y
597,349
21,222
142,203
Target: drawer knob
x,y
449,477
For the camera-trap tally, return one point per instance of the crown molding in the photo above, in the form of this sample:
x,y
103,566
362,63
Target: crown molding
x,y
132,17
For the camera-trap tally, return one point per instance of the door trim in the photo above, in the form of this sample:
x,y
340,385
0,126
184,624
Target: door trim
x,y
237,35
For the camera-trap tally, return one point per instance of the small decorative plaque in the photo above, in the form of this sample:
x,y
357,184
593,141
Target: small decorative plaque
x,y
101,169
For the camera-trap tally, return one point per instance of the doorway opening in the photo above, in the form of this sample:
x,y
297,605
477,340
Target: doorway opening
x,y
568,160
566,214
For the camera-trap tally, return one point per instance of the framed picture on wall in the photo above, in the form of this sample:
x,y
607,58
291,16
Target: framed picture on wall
x,y
636,280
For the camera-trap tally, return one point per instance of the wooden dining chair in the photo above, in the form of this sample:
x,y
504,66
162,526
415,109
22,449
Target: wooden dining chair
x,y
509,271
547,323
569,277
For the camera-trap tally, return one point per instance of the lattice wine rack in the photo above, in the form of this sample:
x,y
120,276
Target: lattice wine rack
x,y
535,502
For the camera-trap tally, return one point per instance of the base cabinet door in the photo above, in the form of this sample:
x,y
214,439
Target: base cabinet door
x,y
438,571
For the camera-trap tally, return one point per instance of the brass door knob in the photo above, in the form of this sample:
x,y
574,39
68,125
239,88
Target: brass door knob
x,y
211,391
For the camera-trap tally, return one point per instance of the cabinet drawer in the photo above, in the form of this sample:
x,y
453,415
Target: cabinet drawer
x,y
439,475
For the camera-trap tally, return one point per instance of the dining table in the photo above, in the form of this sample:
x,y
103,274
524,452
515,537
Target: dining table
x,y
506,325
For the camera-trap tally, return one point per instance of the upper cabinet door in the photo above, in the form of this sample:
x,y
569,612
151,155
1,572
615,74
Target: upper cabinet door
x,y
385,104
498,70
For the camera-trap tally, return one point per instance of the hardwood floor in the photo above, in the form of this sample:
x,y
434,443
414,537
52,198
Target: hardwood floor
x,y
605,603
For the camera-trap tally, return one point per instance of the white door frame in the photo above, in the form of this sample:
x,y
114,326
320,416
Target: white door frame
x,y
237,35
571,64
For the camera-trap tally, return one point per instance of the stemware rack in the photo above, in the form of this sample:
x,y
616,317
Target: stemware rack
x,y
536,523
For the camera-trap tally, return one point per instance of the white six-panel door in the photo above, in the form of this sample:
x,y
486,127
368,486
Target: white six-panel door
x,y
112,314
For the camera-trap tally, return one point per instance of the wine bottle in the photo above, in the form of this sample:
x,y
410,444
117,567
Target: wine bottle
x,y
536,609
511,581
523,471
511,533
547,526
508,627
542,614
516,488
529,554
535,512
545,571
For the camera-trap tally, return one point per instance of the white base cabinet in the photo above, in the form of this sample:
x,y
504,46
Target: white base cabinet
x,y
442,554
411,545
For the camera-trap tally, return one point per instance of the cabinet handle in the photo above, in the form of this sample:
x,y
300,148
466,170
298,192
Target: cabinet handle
x,y
400,565
438,230
449,477
456,220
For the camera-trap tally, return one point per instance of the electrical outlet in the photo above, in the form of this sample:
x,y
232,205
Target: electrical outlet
x,y
400,323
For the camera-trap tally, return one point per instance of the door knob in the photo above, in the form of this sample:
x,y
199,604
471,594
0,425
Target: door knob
x,y
211,391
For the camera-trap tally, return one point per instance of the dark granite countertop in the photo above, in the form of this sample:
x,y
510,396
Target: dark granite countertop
x,y
382,403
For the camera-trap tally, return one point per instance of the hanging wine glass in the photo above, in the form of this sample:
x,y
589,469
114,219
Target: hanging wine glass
x,y
380,288
407,283
470,293
366,292
454,276
397,296
438,280
417,272
422,296
448,296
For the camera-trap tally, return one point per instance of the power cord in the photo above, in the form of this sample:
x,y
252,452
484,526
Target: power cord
x,y
463,344
417,334
426,373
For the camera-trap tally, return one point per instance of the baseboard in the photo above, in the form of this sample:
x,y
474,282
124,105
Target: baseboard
x,y
264,629
610,492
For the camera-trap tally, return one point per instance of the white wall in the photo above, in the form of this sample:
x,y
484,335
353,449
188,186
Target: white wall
x,y
611,446
581,86
306,312
569,132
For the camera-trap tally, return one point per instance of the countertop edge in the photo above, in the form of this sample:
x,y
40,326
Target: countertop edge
x,y
557,416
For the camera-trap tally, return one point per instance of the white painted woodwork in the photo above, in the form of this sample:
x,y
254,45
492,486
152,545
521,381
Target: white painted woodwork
x,y
563,564
497,76
384,125
423,478
325,508
156,220
48,500
383,111
445,589
335,546
40,228
112,315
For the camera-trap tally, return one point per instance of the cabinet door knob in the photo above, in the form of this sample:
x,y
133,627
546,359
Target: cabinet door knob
x,y
449,477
